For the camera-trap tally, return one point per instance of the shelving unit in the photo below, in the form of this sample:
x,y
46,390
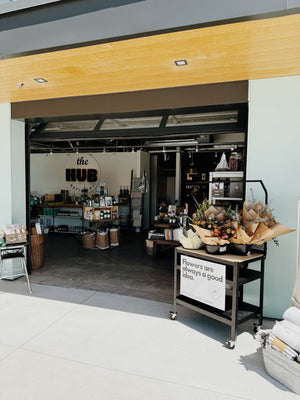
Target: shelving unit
x,y
74,223
232,176
238,274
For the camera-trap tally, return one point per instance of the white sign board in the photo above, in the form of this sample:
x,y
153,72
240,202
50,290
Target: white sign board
x,y
203,281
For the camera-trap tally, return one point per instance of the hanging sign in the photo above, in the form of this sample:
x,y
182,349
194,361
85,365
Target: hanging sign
x,y
82,172
203,281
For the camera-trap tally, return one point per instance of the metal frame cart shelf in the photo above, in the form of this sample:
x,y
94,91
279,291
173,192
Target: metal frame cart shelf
x,y
238,274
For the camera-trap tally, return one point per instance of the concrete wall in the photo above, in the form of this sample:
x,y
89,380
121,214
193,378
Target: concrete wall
x,y
48,171
274,157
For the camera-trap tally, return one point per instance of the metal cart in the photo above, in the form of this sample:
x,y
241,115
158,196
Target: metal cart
x,y
238,274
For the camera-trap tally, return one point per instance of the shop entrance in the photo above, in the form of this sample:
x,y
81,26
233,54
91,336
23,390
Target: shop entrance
x,y
98,185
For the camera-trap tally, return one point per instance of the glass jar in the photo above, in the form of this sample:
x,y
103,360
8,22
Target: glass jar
x,y
235,162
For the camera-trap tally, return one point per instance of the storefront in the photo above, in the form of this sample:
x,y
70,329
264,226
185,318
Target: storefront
x,y
270,131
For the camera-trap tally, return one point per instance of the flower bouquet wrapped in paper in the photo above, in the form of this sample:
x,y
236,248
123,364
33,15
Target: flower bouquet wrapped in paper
x,y
257,225
213,224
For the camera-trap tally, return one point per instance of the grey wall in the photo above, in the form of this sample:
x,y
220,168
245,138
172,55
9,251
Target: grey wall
x,y
68,22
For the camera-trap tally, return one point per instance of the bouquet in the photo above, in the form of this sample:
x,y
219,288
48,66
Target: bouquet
x,y
214,225
257,225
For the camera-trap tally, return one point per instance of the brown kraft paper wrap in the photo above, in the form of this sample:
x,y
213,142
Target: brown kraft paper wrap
x,y
207,236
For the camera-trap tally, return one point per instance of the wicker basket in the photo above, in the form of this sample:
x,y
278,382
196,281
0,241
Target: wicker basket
x,y
89,240
37,251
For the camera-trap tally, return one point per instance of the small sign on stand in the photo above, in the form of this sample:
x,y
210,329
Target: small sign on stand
x,y
203,281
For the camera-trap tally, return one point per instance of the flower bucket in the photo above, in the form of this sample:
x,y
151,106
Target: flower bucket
x,y
240,249
216,249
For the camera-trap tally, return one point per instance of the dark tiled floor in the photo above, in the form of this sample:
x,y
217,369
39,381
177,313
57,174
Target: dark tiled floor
x,y
126,269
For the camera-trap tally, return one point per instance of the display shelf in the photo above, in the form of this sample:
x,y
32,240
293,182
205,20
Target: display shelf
x,y
204,309
237,274
70,219
227,174
214,198
69,232
234,186
69,216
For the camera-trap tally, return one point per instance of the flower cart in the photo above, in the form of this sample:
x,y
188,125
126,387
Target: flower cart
x,y
212,282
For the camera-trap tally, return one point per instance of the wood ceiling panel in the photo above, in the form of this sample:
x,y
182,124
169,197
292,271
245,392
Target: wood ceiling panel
x,y
242,51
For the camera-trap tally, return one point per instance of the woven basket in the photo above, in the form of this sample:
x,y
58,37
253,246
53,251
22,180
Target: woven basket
x,y
37,251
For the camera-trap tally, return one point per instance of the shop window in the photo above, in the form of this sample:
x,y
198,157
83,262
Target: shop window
x,y
221,117
131,123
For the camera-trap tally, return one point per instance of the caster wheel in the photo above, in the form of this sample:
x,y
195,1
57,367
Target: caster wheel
x,y
230,344
173,315
256,328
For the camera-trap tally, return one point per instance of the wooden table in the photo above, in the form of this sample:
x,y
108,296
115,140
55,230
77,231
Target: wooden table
x,y
162,243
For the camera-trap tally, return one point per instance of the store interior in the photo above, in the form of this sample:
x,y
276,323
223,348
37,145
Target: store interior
x,y
142,160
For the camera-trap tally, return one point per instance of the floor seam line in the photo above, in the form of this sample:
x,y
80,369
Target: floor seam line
x,y
130,373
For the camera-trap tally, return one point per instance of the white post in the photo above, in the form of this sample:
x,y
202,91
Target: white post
x,y
12,169
5,166
18,177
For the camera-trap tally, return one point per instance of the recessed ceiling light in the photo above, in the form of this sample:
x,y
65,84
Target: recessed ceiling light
x,y
40,80
180,63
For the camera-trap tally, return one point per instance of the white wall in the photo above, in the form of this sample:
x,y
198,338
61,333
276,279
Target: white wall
x,y
274,157
5,166
48,171
18,172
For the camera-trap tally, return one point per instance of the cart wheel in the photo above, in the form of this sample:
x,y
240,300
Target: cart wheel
x,y
173,315
256,328
230,344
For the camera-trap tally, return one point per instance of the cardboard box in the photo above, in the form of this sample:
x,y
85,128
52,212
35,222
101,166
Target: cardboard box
x,y
49,197
15,234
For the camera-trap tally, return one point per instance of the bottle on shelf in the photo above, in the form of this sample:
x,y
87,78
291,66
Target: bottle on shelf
x,y
226,187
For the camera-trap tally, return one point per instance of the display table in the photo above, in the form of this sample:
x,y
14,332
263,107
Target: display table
x,y
164,225
201,276
162,243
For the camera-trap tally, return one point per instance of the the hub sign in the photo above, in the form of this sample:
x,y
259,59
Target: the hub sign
x,y
84,174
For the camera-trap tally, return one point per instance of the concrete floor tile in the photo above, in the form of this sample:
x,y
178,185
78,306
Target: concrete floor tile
x,y
129,304
31,376
69,295
126,270
23,317
158,348
6,350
